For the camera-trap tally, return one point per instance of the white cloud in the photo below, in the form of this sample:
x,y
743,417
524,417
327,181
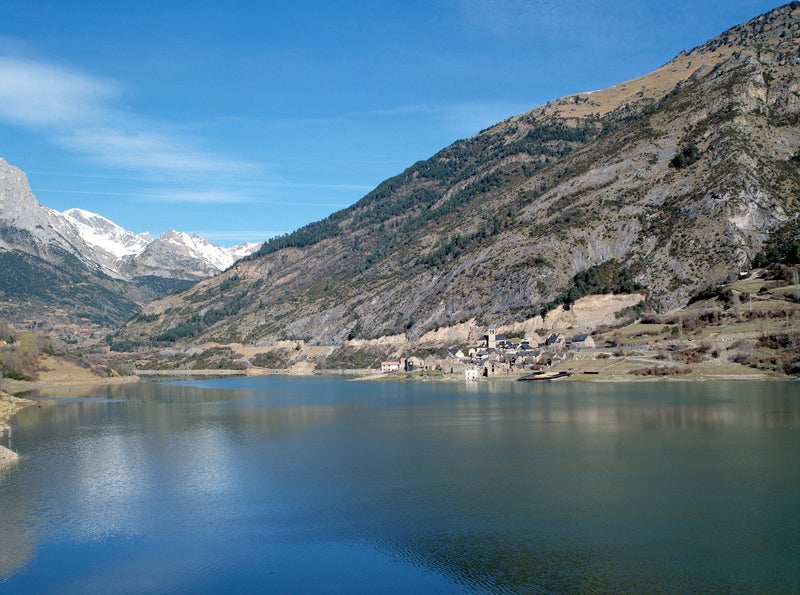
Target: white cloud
x,y
461,119
81,113
137,148
321,186
404,110
252,195
41,96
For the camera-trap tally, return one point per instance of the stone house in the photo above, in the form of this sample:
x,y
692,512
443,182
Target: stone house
x,y
582,341
456,353
432,363
414,363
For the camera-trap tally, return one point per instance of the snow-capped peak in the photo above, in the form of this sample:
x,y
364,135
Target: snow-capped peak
x,y
243,249
99,232
193,245
103,244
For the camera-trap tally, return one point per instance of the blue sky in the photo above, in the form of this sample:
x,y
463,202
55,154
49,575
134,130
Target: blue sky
x,y
241,120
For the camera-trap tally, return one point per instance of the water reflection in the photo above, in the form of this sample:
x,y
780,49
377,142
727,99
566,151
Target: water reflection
x,y
16,529
111,475
495,564
510,488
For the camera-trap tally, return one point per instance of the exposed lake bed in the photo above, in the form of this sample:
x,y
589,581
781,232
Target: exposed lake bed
x,y
319,484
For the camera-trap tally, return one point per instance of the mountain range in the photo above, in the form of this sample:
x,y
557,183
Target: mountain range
x,y
666,185
669,183
47,257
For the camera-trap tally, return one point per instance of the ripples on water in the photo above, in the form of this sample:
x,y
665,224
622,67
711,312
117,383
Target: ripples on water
x,y
315,485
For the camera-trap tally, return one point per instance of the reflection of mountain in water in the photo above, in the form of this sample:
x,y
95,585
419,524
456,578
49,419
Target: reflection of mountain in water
x,y
564,487
17,538
715,404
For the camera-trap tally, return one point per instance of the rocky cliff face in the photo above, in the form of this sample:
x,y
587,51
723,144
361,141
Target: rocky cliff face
x,y
25,224
676,177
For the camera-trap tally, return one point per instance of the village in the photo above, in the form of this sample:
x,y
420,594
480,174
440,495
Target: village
x,y
496,355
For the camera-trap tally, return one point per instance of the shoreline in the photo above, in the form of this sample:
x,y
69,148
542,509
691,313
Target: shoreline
x,y
576,371
16,387
9,406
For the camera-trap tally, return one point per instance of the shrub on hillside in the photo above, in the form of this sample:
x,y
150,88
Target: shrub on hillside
x,y
275,359
685,157
782,246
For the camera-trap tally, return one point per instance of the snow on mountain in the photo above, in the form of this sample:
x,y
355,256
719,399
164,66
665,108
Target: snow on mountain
x,y
242,250
192,245
99,232
177,254
102,243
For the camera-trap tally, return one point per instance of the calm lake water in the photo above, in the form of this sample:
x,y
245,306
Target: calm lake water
x,y
317,485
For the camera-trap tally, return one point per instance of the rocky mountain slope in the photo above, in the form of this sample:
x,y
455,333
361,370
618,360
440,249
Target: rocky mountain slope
x,y
57,268
669,182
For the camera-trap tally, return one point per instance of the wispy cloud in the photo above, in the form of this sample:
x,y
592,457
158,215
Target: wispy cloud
x,y
176,196
321,186
82,114
462,119
209,196
42,96
137,148
199,196
505,17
